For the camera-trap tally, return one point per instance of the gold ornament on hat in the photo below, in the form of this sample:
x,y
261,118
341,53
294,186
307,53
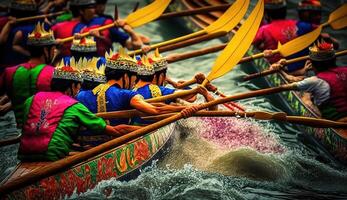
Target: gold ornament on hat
x,y
90,70
67,72
321,51
84,44
120,60
159,62
145,68
41,37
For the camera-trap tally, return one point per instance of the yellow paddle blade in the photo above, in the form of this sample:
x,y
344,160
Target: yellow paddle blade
x,y
230,18
337,19
299,43
239,44
147,14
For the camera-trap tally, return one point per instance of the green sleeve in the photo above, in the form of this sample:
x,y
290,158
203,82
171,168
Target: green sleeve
x,y
86,118
27,105
64,17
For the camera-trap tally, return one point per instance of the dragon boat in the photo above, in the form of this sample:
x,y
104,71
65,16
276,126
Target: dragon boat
x,y
123,163
332,140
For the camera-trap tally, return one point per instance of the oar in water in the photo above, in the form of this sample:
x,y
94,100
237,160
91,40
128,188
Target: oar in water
x,y
225,23
261,115
138,18
63,164
271,71
202,10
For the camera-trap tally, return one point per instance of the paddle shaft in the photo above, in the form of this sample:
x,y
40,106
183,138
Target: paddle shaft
x,y
201,10
200,52
309,121
192,41
294,60
40,16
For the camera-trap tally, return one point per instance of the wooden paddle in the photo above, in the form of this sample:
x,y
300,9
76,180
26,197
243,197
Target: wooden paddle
x,y
192,41
337,20
65,163
225,23
230,55
271,71
24,19
139,17
261,115
202,10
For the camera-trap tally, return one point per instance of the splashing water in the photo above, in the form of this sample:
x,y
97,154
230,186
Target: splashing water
x,y
233,133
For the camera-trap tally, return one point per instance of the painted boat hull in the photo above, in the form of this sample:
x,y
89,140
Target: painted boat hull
x,y
122,163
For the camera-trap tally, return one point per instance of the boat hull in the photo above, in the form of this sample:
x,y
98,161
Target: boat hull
x,y
122,163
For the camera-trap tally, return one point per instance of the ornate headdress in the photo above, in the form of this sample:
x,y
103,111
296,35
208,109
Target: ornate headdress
x,y
159,62
90,70
41,37
70,72
120,60
82,2
310,5
275,4
85,44
145,68
25,5
322,51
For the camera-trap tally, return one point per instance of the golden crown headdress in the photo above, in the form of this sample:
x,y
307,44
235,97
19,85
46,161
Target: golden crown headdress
x,y
145,68
321,51
67,72
84,44
159,62
41,37
120,60
25,5
90,70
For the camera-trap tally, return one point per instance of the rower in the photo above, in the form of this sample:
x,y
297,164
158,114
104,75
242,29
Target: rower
x,y
113,95
53,118
15,46
328,87
279,29
22,81
84,47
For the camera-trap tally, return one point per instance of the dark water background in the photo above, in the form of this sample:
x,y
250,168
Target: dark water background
x,y
196,168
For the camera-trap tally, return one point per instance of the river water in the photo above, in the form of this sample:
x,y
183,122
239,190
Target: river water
x,y
246,160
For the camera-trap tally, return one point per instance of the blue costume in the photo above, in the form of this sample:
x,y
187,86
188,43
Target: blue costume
x,y
303,28
101,61
151,91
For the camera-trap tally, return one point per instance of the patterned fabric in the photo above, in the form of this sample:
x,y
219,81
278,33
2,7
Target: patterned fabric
x,y
112,35
66,131
23,81
45,113
336,106
269,35
64,30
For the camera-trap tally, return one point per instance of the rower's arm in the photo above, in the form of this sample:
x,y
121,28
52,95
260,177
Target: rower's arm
x,y
16,44
138,103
